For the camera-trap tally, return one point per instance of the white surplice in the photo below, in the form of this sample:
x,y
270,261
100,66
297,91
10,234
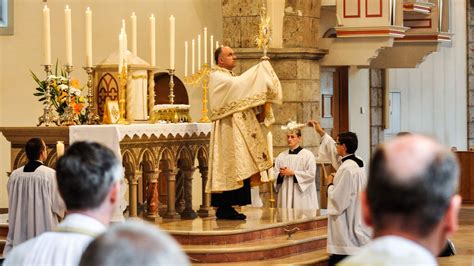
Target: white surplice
x,y
301,195
34,204
346,231
64,246
327,153
391,251
238,148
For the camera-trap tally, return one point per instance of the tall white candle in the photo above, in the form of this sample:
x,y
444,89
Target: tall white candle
x,y
68,35
217,44
185,59
193,64
59,149
199,51
212,50
125,49
120,52
88,37
47,36
133,19
270,145
205,45
172,41
152,40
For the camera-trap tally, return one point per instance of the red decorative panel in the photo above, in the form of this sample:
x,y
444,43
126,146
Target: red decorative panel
x,y
373,3
417,23
347,4
108,89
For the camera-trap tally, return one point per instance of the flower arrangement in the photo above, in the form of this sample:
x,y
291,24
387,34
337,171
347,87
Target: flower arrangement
x,y
58,88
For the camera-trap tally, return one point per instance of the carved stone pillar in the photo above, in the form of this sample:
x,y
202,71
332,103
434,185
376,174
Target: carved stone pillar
x,y
205,210
171,178
133,181
188,212
152,195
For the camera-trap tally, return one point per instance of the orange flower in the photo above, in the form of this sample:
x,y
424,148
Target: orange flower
x,y
77,107
74,83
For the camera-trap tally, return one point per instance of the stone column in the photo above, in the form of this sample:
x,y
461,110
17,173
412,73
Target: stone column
x,y
133,181
152,196
470,73
205,210
170,175
188,212
377,90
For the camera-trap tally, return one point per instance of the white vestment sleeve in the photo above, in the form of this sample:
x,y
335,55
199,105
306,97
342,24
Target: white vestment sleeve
x,y
327,152
307,176
339,194
276,170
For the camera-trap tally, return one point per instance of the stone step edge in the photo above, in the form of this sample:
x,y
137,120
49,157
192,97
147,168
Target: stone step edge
x,y
216,249
246,230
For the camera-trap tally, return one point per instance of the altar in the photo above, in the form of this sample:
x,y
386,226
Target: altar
x,y
159,161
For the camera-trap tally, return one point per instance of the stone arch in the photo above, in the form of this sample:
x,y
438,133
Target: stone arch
x,y
202,155
147,166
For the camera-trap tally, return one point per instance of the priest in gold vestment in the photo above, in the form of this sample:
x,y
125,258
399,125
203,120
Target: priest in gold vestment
x,y
238,149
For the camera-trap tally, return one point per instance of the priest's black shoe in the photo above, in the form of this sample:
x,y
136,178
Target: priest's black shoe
x,y
229,214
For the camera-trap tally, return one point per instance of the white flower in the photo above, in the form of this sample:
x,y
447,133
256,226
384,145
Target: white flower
x,y
75,91
63,87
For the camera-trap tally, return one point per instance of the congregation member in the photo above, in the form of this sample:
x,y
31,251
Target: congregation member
x,y
346,231
34,203
411,202
295,169
88,177
238,149
133,243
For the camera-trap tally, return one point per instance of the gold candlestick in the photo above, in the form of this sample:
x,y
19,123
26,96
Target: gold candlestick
x,y
123,94
201,76
67,118
92,117
48,117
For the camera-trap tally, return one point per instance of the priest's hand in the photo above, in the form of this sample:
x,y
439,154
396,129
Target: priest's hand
x,y
285,171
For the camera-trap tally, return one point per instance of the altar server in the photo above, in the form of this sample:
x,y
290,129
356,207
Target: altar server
x,y
34,203
296,171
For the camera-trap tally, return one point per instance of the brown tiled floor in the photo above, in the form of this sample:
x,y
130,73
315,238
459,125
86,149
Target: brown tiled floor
x,y
463,240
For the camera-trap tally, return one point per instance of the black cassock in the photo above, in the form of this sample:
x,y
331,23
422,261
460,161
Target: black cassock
x,y
239,196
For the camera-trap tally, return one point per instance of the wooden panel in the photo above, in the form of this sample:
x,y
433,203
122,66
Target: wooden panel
x,y
417,23
466,184
373,8
351,8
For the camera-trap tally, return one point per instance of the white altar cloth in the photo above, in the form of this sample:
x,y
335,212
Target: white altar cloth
x,y
111,135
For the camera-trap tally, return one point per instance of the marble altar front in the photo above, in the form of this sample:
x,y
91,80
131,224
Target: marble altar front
x,y
157,159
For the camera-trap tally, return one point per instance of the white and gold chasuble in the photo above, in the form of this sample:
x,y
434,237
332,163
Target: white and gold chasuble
x,y
238,148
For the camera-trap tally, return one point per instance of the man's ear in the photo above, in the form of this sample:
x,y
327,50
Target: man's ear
x,y
114,193
451,218
366,214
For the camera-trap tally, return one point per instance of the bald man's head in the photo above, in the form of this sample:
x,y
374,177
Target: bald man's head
x,y
413,178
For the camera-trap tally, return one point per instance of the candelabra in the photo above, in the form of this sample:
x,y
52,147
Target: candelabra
x,y
171,84
48,117
201,76
67,118
92,117
123,94
272,196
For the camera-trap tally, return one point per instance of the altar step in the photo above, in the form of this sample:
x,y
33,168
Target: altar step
x,y
263,237
271,248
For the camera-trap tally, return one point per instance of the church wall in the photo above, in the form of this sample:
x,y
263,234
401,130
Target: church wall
x,y
359,100
433,96
23,51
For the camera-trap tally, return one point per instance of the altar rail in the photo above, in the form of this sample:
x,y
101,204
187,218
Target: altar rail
x,y
149,160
